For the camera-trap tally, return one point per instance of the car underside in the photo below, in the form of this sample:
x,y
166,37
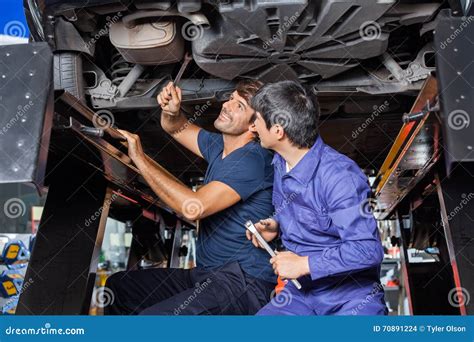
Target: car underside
x,y
365,59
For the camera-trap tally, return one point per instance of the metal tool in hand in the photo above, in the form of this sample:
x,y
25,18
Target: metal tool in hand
x,y
187,59
250,226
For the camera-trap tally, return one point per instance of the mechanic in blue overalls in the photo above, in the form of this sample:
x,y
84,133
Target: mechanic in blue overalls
x,y
320,198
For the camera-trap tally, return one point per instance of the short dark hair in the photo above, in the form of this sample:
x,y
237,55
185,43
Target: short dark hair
x,y
291,105
248,88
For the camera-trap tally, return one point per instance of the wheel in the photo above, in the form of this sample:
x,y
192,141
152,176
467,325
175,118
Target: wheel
x,y
68,73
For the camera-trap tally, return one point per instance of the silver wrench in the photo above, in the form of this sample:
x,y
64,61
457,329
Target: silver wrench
x,y
250,226
187,58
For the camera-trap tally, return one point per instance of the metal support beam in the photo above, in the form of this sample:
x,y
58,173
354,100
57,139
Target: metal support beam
x,y
62,268
455,72
456,196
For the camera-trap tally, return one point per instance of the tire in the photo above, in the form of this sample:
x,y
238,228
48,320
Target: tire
x,y
68,73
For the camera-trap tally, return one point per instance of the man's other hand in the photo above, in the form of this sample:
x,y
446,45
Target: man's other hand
x,y
268,228
135,150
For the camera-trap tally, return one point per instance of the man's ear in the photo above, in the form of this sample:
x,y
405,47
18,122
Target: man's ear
x,y
278,130
252,127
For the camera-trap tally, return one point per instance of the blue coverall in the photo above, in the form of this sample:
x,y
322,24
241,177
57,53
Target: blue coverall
x,y
321,207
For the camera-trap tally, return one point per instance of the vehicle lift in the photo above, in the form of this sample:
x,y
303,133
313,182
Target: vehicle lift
x,y
51,143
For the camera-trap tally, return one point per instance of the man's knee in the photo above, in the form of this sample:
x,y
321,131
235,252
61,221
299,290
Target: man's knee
x,y
157,309
368,306
117,285
372,309
114,281
267,310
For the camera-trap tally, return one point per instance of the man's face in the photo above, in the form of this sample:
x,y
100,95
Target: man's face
x,y
268,138
235,116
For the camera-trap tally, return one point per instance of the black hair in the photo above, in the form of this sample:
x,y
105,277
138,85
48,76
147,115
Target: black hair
x,y
292,106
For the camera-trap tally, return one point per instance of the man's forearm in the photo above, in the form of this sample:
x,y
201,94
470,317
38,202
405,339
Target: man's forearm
x,y
173,193
349,256
173,123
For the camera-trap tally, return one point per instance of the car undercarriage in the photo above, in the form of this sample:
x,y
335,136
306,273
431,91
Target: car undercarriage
x,y
356,54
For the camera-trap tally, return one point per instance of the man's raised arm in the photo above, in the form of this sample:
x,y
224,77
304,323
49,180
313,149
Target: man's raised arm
x,y
174,122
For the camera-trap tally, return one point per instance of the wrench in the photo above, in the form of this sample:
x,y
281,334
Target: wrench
x,y
187,58
249,225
